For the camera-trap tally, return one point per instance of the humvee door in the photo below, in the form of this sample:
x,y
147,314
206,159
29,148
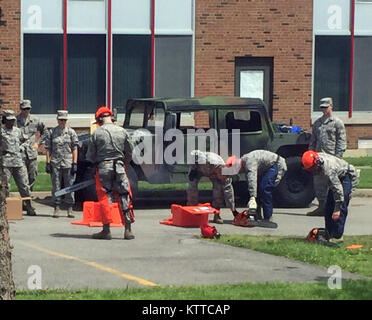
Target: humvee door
x,y
244,129
197,129
145,121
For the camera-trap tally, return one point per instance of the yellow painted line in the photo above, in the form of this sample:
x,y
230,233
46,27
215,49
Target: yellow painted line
x,y
91,263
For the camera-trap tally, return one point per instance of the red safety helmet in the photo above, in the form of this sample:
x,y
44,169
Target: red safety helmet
x,y
102,110
209,232
234,163
310,159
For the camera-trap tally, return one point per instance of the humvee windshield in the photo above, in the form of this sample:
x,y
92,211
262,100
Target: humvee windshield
x,y
245,121
145,115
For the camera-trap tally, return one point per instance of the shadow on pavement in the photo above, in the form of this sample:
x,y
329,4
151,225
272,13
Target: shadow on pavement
x,y
148,199
66,235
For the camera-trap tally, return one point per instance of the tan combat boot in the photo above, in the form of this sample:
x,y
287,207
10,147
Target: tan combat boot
x,y
69,213
56,212
128,235
29,209
105,234
217,219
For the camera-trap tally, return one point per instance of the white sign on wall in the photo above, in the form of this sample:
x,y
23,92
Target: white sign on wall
x,y
252,84
41,16
335,17
331,17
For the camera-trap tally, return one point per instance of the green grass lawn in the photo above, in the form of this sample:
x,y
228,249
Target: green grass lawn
x,y
297,248
43,182
360,161
351,290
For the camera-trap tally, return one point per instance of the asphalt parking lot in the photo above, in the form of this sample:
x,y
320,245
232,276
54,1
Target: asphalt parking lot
x,y
62,255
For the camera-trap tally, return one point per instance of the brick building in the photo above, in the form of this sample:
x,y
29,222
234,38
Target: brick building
x,y
77,54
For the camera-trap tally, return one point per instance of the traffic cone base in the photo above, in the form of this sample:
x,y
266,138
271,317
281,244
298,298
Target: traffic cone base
x,y
92,215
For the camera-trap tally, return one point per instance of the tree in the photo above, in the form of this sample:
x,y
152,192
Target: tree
x,y
7,287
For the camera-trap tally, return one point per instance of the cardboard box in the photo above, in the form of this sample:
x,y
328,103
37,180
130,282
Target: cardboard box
x,y
14,208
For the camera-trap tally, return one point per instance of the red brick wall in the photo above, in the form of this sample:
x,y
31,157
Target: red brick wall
x,y
225,29
354,132
10,54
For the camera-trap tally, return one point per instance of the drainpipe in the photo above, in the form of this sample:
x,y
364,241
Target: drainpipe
x,y
64,54
351,84
152,84
109,53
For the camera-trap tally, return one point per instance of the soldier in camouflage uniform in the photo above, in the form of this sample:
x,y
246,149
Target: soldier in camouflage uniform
x,y
209,164
111,149
264,170
342,179
32,129
329,136
61,160
12,148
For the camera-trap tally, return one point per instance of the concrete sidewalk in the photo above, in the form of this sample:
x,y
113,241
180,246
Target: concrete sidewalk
x,y
68,258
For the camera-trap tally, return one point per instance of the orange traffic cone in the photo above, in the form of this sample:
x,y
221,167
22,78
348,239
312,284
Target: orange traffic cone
x,y
92,215
190,216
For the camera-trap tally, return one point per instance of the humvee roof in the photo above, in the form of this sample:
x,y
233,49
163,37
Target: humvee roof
x,y
208,102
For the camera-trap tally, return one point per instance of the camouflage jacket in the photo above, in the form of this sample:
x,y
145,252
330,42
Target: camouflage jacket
x,y
109,142
209,164
11,147
60,143
29,127
256,163
334,169
329,136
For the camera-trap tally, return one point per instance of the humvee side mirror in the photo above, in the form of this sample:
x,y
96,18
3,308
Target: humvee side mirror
x,y
170,121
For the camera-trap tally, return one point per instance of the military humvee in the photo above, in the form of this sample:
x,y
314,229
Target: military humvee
x,y
165,130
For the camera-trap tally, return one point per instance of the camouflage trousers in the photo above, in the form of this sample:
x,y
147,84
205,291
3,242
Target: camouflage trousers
x,y
115,185
62,176
20,178
31,166
222,193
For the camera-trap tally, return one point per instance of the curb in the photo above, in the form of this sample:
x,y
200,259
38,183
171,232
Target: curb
x,y
362,193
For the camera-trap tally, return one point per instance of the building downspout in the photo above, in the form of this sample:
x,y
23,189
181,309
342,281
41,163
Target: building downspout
x,y
351,84
109,52
152,16
64,54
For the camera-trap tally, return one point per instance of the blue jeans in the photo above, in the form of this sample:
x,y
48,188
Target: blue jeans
x,y
336,228
265,191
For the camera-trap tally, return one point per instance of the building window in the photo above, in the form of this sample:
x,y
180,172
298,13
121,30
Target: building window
x,y
332,71
88,29
42,71
131,68
173,66
362,93
86,72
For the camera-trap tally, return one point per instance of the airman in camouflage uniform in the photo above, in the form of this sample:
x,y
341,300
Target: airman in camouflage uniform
x,y
32,129
264,170
342,179
61,160
209,164
329,136
111,149
12,148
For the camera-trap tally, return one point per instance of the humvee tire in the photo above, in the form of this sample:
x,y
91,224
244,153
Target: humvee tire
x,y
296,189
